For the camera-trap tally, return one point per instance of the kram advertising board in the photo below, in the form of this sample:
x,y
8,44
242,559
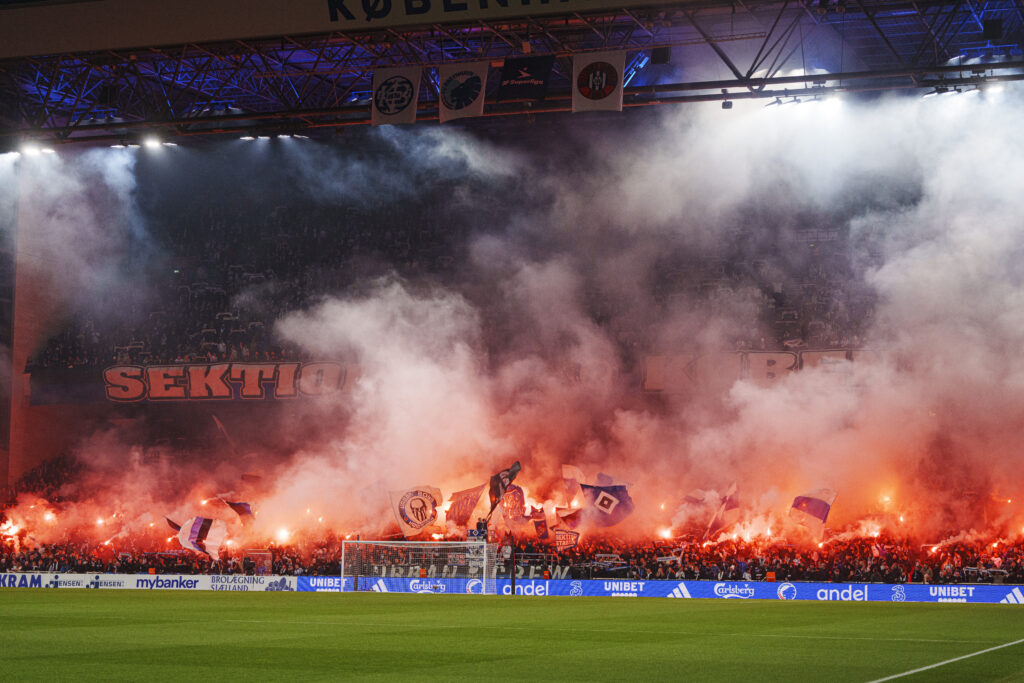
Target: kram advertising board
x,y
149,581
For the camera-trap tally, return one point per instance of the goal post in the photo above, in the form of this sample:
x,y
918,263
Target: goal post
x,y
429,567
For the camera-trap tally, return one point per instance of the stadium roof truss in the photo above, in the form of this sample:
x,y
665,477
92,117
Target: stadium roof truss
x,y
310,82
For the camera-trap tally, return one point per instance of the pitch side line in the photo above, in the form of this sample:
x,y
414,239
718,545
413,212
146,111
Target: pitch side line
x,y
948,661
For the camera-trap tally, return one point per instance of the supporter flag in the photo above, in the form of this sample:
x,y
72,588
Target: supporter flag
x,y
565,539
203,535
609,505
461,89
597,81
395,95
540,523
727,513
695,497
570,518
513,505
416,508
500,483
463,503
572,477
174,525
243,510
525,78
811,509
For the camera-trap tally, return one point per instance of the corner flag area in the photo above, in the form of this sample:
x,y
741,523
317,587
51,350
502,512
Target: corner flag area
x,y
141,635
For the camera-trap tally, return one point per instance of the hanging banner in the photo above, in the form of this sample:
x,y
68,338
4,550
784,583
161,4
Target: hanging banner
x,y
525,78
597,81
395,95
461,90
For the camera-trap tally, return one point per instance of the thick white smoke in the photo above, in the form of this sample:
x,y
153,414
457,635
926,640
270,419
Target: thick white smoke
x,y
530,344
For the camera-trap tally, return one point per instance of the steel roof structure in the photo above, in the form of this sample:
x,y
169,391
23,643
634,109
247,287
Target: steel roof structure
x,y
715,50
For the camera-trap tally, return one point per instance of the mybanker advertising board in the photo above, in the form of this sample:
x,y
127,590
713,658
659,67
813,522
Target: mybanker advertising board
x,y
729,590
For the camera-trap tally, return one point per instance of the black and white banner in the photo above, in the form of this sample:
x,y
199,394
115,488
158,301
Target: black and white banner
x,y
461,90
395,95
597,81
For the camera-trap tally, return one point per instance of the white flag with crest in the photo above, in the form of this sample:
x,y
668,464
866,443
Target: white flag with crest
x,y
597,81
396,93
461,90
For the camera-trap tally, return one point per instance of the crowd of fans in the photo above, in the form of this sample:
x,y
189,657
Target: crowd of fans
x,y
872,560
233,271
234,267
843,559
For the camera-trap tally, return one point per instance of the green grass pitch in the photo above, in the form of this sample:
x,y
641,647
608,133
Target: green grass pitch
x,y
58,635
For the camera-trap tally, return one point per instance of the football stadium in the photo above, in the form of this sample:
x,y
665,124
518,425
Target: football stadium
x,y
450,324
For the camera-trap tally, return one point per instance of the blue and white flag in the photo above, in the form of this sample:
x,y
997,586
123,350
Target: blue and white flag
x,y
727,513
565,539
609,505
396,94
461,90
416,508
597,80
243,510
811,509
462,505
203,535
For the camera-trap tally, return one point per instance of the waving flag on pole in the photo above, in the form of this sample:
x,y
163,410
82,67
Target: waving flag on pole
x,y
572,477
461,90
609,505
243,510
727,513
500,482
597,79
396,94
463,504
203,535
174,525
811,509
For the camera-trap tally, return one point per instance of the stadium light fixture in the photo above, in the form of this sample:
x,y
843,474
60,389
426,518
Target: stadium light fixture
x,y
151,143
247,137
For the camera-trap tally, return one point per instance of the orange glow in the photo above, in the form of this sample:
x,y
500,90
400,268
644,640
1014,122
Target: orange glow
x,y
821,545
874,534
320,520
282,535
170,538
229,542
151,525
203,502
50,517
665,533
99,521
662,506
901,518
996,544
437,537
932,551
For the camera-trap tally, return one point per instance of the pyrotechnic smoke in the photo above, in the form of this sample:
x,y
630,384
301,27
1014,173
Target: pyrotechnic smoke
x,y
567,263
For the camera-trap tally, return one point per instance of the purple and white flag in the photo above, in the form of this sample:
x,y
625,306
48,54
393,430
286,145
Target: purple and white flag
x,y
203,535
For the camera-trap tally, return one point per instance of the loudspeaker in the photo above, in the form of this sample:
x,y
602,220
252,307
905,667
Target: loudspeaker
x,y
661,55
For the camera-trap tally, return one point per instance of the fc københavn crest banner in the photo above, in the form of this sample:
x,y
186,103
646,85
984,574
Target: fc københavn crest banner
x,y
597,81
461,90
395,95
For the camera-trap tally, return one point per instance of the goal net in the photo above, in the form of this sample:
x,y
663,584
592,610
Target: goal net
x,y
426,566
